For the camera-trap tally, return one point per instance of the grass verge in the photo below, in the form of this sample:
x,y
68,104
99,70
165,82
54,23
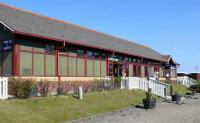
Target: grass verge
x,y
64,108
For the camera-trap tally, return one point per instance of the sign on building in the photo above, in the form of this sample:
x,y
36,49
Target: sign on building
x,y
7,45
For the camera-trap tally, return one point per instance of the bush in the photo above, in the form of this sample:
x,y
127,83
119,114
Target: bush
x,y
179,89
117,81
45,88
22,87
195,88
66,87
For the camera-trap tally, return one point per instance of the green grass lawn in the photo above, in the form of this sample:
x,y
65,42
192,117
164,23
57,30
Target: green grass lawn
x,y
62,108
180,89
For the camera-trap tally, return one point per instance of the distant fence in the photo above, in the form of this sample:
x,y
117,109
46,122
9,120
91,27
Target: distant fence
x,y
158,88
185,80
3,88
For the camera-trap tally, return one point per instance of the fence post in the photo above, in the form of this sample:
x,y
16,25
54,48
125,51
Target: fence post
x,y
80,92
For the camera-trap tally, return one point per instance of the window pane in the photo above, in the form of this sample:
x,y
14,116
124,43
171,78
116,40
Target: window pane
x,y
63,65
103,56
38,64
89,54
89,67
7,63
96,68
72,51
134,70
130,70
80,53
72,66
39,47
25,63
50,48
50,65
146,71
103,68
80,67
139,71
96,55
25,45
142,71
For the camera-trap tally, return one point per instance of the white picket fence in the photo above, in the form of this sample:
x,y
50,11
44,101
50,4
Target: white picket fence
x,y
185,80
3,88
158,88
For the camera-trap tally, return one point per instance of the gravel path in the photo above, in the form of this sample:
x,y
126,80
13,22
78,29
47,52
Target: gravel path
x,y
165,112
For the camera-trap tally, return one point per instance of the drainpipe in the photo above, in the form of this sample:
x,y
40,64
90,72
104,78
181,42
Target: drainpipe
x,y
57,60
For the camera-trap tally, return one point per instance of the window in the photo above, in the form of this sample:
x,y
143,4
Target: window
x,y
89,67
146,71
7,62
134,70
63,65
71,66
81,67
103,56
142,71
25,45
39,64
139,71
89,54
50,65
38,47
50,48
130,70
121,58
80,53
25,63
96,55
103,68
72,51
96,68
126,59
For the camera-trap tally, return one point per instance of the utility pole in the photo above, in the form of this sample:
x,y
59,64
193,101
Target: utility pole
x,y
196,68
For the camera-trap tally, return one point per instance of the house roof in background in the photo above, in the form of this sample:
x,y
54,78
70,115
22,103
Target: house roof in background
x,y
31,23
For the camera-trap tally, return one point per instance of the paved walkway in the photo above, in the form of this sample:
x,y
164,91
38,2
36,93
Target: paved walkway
x,y
165,112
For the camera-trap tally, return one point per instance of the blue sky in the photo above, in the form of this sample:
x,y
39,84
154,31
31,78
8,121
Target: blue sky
x,y
170,26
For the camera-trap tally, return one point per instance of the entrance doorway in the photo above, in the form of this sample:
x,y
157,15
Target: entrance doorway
x,y
116,68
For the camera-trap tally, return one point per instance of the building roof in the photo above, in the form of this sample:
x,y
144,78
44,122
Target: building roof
x,y
26,22
168,58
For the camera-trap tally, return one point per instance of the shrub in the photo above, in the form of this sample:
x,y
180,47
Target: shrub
x,y
46,88
195,88
64,87
22,87
117,81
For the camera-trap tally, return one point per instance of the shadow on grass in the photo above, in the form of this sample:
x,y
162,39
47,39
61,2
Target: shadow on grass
x,y
75,96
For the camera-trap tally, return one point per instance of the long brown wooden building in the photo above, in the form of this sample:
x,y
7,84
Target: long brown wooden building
x,y
37,46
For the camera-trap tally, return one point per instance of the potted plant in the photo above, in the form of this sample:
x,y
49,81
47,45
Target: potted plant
x,y
176,97
149,102
189,93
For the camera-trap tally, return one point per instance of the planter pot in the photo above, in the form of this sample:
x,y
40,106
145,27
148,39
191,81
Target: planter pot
x,y
176,98
149,103
190,94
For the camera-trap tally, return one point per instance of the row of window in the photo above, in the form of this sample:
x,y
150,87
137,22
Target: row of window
x,y
141,71
39,65
50,49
